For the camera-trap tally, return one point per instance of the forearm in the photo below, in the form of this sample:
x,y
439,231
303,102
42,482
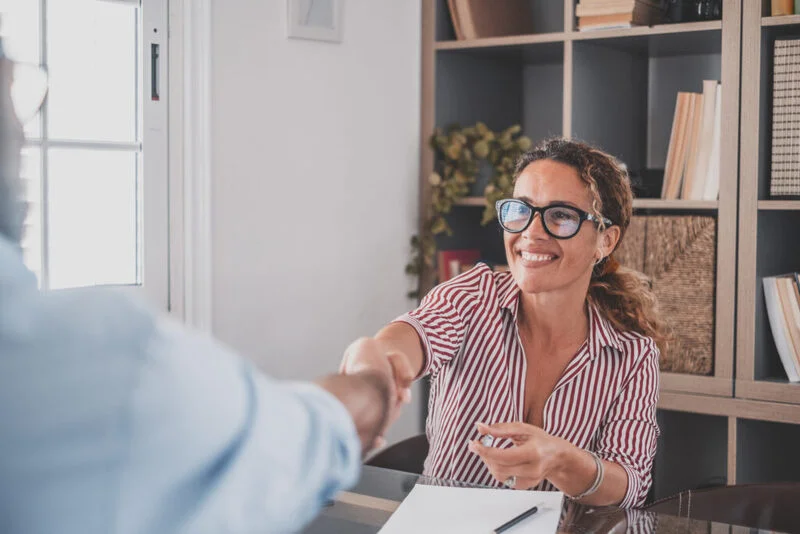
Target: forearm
x,y
576,472
401,338
367,397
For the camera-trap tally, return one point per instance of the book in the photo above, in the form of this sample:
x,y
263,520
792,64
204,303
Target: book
x,y
588,9
451,4
711,191
616,20
791,313
703,142
450,262
782,7
676,150
684,140
478,19
689,173
779,327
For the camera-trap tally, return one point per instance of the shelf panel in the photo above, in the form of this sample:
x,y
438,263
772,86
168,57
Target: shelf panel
x,y
731,407
661,204
662,39
638,203
779,204
510,40
785,20
697,384
768,390
658,29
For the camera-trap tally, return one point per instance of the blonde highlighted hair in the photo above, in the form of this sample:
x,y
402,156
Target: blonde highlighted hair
x,y
622,295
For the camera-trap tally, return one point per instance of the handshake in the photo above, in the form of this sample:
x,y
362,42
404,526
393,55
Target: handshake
x,y
376,379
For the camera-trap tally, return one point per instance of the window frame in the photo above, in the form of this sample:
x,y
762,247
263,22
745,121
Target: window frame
x,y
151,144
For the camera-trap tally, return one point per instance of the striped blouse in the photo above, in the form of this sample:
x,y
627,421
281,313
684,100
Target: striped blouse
x,y
605,401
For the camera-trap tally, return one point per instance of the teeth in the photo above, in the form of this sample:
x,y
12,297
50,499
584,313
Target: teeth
x,y
528,256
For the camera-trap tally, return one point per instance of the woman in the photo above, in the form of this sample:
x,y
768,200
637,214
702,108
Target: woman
x,y
554,364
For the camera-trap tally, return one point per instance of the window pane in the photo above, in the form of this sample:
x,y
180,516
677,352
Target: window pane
x,y
91,57
19,28
32,238
92,223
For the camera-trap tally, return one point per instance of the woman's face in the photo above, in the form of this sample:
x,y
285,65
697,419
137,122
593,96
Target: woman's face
x,y
539,262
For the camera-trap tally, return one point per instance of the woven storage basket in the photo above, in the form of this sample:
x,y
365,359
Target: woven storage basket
x,y
678,253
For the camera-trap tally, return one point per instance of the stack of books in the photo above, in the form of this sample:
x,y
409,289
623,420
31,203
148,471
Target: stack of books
x,y
782,294
607,14
785,171
692,168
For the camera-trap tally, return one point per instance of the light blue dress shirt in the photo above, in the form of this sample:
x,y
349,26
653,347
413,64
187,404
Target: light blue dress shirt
x,y
114,421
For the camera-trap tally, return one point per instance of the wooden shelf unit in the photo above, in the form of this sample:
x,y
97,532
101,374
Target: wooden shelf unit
x,y
550,83
768,227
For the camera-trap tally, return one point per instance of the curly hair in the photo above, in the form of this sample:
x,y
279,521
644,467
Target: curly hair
x,y
624,296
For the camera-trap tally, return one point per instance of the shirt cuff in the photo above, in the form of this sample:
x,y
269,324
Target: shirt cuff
x,y
634,485
416,325
340,418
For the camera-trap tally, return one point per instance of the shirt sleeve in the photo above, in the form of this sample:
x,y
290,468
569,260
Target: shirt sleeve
x,y
215,446
441,320
629,435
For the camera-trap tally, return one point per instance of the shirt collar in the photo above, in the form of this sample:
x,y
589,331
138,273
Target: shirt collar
x,y
602,333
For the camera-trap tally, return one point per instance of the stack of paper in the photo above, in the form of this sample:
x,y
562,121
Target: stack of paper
x,y
437,509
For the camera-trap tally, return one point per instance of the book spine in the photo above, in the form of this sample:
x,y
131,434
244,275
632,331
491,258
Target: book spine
x,y
782,7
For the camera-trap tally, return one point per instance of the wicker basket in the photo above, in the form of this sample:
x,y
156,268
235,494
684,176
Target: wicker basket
x,y
678,253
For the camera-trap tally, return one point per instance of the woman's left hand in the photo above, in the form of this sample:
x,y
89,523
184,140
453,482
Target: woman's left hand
x,y
534,456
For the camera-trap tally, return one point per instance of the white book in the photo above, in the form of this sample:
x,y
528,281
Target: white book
x,y
711,190
704,138
791,313
777,323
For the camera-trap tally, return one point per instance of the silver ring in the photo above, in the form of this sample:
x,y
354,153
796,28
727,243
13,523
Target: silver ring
x,y
510,482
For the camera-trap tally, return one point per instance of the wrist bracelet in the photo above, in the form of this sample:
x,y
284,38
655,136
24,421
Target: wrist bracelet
x,y
598,480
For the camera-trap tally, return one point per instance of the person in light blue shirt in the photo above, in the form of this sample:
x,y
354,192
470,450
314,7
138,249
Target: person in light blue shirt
x,y
113,420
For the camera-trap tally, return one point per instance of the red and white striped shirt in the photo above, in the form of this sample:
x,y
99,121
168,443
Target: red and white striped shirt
x,y
605,401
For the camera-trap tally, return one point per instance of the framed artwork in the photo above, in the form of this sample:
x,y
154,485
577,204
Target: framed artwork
x,y
319,20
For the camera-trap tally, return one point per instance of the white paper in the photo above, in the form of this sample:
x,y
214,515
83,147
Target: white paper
x,y
435,509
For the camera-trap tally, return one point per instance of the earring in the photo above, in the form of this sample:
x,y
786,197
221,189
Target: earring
x,y
599,261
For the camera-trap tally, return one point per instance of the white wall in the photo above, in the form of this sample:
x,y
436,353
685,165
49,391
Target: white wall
x,y
316,157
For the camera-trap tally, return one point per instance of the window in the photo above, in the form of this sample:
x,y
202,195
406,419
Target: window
x,y
95,161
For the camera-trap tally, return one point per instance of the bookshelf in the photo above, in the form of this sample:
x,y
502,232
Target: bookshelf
x,y
617,88
768,228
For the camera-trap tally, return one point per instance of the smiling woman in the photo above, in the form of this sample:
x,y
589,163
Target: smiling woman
x,y
556,359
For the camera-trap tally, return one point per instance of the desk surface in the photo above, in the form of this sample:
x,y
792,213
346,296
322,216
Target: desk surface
x,y
365,508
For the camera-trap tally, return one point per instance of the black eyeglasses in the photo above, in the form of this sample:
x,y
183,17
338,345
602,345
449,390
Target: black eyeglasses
x,y
559,220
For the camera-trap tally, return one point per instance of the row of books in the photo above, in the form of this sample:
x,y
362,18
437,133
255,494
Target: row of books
x,y
785,166
692,168
608,14
782,295
451,263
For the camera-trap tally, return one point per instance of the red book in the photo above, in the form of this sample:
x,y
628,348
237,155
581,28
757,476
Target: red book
x,y
451,263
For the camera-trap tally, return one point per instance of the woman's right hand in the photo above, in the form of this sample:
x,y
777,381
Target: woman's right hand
x,y
369,354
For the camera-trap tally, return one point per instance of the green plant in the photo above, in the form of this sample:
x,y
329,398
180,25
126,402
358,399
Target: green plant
x,y
458,152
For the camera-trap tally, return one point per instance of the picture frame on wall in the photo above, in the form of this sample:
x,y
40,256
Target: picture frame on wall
x,y
318,20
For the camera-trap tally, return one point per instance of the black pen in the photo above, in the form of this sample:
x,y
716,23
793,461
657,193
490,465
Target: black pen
x,y
520,517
